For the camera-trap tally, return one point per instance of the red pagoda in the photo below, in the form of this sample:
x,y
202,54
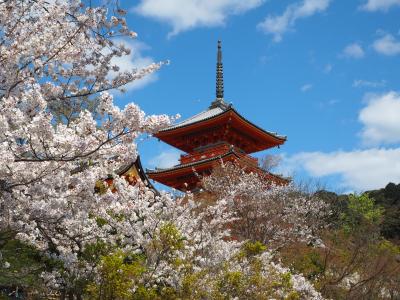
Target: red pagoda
x,y
217,134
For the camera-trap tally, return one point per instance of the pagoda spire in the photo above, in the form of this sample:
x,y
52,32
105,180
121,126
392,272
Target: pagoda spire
x,y
220,74
219,101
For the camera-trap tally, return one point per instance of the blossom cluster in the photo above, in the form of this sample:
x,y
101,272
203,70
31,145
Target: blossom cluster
x,y
272,214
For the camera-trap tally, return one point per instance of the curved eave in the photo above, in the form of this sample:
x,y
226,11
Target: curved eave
x,y
179,128
198,118
275,135
137,164
203,163
169,135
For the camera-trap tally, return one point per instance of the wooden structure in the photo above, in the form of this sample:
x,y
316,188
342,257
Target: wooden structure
x,y
218,133
133,173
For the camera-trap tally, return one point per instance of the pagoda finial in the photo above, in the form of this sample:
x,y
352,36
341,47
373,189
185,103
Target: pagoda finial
x,y
219,101
220,74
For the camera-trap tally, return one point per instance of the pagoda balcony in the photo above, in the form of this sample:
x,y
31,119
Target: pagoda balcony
x,y
217,151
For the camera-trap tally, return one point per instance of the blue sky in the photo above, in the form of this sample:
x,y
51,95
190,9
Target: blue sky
x,y
323,72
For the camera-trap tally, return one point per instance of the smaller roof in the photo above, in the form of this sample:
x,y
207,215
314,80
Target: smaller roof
x,y
202,161
169,176
191,164
137,165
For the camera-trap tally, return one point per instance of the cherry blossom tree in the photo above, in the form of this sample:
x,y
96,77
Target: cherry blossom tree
x,y
56,54
272,214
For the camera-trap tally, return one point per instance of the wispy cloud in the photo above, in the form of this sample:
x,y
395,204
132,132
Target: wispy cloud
x,y
387,45
135,60
358,83
306,87
280,24
359,170
165,159
353,50
382,5
183,15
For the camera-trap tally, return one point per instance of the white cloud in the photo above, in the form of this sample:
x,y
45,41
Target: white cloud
x,y
387,45
359,170
165,159
358,83
135,60
353,51
306,87
278,25
384,5
381,119
183,15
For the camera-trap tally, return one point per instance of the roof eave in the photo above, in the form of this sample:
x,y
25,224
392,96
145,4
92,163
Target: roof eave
x,y
170,130
193,164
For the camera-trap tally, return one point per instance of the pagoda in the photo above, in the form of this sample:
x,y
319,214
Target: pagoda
x,y
133,173
217,134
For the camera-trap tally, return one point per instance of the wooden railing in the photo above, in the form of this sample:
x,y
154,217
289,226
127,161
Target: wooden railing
x,y
208,153
216,151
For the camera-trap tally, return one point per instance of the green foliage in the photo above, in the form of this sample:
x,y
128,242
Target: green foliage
x,y
253,282
253,249
389,199
307,261
101,187
385,245
94,252
169,238
361,210
231,283
121,271
118,273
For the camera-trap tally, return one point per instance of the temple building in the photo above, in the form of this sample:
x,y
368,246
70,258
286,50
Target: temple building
x,y
217,134
132,172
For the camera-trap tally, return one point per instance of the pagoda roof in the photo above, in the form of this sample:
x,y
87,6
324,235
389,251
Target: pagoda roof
x,y
213,112
230,153
219,112
204,115
192,164
136,165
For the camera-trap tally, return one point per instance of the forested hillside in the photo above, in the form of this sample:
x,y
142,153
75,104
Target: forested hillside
x,y
387,198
